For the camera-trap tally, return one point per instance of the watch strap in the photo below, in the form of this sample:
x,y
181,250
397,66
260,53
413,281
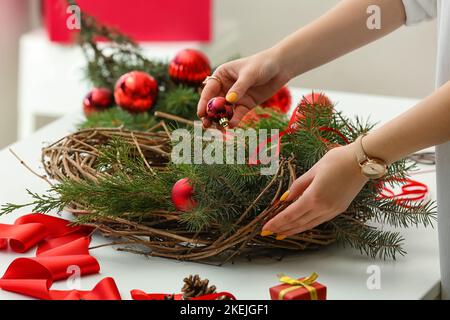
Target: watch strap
x,y
361,155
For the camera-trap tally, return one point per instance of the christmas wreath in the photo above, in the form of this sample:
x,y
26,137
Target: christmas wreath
x,y
116,173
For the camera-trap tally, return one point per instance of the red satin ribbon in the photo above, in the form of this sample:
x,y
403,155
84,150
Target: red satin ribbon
x,y
106,289
291,127
411,191
141,295
254,156
33,229
59,246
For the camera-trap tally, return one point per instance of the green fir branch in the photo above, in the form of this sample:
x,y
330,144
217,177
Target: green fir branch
x,y
180,101
368,240
116,117
41,203
405,214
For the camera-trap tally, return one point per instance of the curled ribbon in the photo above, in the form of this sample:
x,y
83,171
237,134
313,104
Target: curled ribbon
x,y
297,284
411,191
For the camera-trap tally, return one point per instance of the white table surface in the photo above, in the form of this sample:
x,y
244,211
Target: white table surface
x,y
343,271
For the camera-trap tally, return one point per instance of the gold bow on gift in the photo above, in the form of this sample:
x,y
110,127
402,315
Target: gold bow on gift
x,y
299,283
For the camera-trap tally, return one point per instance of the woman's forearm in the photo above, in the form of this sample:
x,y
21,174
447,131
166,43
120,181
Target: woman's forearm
x,y
339,31
425,125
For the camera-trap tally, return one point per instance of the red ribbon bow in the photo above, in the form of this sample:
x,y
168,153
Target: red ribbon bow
x,y
59,246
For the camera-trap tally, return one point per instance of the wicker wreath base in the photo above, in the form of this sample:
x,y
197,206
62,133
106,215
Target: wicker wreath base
x,y
162,234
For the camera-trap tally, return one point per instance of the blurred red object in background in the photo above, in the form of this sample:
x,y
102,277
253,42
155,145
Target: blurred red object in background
x,y
142,20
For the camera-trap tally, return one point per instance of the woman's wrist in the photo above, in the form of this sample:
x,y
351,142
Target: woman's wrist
x,y
375,146
280,57
350,157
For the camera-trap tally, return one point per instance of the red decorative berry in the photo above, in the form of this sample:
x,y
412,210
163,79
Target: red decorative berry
x,y
281,100
219,110
98,99
189,67
136,91
182,193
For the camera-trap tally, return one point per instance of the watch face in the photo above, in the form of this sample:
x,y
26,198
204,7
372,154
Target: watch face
x,y
373,170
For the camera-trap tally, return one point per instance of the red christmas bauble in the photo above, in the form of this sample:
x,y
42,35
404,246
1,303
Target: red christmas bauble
x,y
182,193
190,67
98,99
219,110
281,100
316,99
312,101
136,91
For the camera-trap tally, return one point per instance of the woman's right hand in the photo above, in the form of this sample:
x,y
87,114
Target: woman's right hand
x,y
245,82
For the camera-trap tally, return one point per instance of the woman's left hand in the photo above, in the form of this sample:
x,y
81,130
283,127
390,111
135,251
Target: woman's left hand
x,y
320,194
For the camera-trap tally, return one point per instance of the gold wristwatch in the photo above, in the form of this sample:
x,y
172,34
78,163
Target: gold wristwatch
x,y
372,168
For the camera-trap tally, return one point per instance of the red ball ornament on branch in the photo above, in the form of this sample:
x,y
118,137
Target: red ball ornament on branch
x,y
98,99
281,100
312,101
219,110
317,99
182,195
136,91
189,67
309,107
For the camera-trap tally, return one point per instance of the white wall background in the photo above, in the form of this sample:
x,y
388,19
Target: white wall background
x,y
401,64
14,20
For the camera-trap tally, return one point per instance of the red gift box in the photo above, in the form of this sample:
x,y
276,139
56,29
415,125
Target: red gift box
x,y
142,20
299,289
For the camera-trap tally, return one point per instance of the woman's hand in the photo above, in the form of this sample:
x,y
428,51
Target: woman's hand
x,y
322,193
245,82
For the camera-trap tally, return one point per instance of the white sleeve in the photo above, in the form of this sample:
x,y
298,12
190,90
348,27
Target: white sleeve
x,y
419,10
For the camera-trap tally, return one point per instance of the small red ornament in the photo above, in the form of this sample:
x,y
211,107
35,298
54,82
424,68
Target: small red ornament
x,y
219,110
136,91
182,193
189,67
98,99
281,100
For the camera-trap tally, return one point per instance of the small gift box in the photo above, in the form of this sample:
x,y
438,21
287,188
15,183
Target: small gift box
x,y
298,289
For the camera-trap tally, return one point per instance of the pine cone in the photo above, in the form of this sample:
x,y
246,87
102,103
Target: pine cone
x,y
194,287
